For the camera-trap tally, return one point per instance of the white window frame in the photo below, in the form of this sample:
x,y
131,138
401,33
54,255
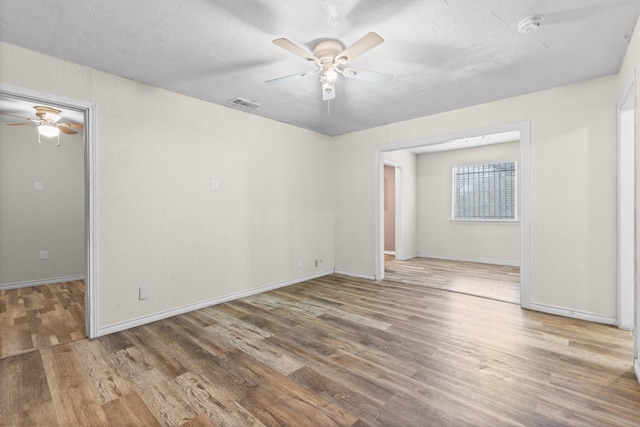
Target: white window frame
x,y
470,219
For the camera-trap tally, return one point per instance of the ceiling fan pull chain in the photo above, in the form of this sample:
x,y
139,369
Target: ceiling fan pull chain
x,y
39,142
58,144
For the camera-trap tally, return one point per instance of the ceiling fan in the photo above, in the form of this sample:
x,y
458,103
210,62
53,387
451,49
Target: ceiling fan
x,y
329,55
48,122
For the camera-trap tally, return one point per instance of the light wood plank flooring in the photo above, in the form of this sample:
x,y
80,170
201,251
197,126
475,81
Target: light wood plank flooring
x,y
499,282
334,351
41,316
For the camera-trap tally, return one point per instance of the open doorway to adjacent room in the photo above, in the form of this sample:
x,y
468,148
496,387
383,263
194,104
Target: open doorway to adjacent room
x,y
485,258
44,239
627,207
392,214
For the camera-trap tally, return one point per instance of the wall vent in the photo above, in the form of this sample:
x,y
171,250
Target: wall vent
x,y
246,103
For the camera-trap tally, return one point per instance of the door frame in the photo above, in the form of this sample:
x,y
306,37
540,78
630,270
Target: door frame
x,y
90,187
398,208
524,128
626,207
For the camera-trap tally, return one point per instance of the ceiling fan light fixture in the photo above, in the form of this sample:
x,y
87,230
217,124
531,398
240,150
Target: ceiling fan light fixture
x,y
331,75
48,130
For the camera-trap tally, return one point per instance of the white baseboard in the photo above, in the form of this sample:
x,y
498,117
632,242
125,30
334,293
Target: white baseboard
x,y
39,282
636,369
478,260
357,275
591,317
407,258
203,304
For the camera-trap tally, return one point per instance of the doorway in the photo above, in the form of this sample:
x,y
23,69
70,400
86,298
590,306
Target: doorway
x,y
69,290
627,268
458,140
389,210
392,228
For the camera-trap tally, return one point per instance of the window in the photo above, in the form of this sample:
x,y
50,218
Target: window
x,y
485,192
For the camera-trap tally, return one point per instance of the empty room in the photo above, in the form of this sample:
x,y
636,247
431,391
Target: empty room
x,y
319,213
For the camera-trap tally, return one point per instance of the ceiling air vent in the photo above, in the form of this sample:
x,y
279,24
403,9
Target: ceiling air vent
x,y
241,102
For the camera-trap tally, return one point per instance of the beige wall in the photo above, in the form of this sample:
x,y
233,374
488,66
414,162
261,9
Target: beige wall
x,y
159,223
438,235
572,232
32,221
628,72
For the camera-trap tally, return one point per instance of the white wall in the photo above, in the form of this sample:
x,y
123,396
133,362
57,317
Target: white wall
x,y
32,221
159,223
406,161
572,149
438,235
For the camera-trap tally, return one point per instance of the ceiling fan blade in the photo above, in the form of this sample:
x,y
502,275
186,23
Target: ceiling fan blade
x,y
20,124
291,77
71,125
369,76
303,53
66,130
365,44
17,117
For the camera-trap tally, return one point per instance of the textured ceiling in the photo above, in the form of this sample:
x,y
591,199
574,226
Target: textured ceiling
x,y
444,54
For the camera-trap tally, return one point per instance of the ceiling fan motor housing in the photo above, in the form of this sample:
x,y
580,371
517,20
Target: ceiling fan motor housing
x,y
327,50
47,113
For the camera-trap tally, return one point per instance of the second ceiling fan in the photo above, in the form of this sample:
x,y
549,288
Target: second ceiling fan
x,y
329,55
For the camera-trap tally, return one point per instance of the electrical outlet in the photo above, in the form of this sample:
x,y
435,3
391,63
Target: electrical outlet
x,y
300,263
44,255
143,293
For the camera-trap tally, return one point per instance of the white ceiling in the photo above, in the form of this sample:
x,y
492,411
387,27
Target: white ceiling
x,y
444,54
469,142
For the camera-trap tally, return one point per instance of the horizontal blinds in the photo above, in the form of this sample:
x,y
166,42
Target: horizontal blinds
x,y
485,191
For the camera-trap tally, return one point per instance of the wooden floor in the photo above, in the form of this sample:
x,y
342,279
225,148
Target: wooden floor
x,y
334,351
499,282
41,316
